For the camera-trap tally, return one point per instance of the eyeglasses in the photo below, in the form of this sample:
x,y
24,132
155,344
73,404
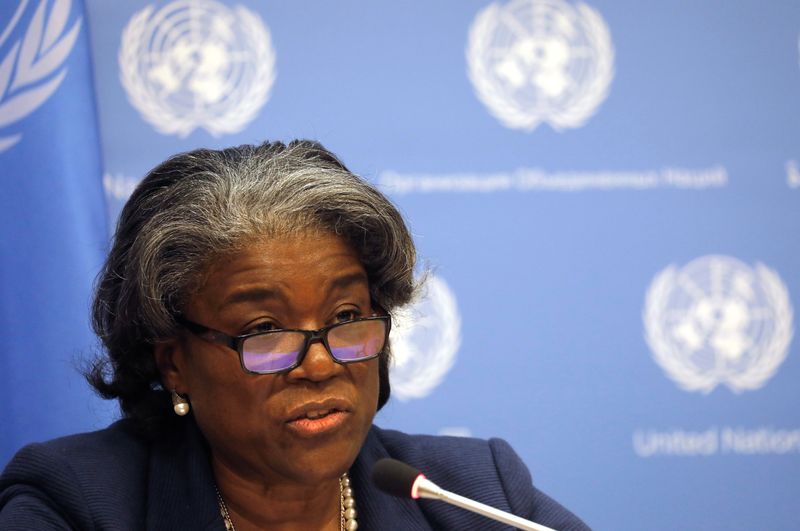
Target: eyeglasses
x,y
282,350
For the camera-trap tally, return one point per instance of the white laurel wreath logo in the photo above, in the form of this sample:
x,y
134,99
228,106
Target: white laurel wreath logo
x,y
768,356
425,339
245,100
26,71
513,114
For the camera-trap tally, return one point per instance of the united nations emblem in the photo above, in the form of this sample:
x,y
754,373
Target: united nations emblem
x,y
197,63
718,321
425,338
533,61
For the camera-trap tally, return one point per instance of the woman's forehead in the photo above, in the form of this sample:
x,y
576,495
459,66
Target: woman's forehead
x,y
283,269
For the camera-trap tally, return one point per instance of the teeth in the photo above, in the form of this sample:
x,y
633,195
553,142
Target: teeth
x,y
317,414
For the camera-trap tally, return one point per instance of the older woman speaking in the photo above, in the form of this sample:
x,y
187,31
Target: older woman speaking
x,y
245,310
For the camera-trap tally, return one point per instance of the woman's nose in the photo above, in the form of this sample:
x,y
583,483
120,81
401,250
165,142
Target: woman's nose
x,y
317,365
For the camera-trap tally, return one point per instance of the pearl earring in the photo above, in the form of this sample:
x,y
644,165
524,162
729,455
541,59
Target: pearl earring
x,y
179,404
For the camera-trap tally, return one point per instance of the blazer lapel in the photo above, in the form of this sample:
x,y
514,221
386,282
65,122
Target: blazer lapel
x,y
376,510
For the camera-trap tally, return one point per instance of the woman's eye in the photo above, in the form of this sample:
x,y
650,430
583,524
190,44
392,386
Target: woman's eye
x,y
347,315
261,327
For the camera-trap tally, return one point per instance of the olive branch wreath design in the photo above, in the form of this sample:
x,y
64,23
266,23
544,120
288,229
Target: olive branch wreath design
x,y
27,76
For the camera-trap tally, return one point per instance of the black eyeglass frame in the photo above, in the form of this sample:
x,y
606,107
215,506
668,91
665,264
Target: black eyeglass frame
x,y
236,343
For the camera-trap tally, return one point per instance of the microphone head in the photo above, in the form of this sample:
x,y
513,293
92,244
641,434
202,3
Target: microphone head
x,y
396,478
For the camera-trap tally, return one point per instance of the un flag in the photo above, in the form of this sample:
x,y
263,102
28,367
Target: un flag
x,y
52,218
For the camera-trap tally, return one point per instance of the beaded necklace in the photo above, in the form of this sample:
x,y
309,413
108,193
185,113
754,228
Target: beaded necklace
x,y
347,507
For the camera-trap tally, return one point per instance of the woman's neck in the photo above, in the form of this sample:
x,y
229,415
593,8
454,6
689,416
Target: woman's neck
x,y
277,503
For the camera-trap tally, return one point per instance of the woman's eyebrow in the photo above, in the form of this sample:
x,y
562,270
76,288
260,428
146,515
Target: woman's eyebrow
x,y
256,294
261,294
345,281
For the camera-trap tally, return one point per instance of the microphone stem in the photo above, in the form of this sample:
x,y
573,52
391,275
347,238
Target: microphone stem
x,y
428,489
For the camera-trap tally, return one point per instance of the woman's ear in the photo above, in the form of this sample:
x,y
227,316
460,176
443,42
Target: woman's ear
x,y
170,359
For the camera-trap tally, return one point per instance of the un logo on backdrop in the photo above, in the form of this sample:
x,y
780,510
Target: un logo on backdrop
x,y
718,321
197,63
425,338
32,69
534,61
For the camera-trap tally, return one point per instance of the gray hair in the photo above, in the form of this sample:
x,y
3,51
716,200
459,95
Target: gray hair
x,y
199,206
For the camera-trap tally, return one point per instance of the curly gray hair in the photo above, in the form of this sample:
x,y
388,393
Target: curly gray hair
x,y
201,205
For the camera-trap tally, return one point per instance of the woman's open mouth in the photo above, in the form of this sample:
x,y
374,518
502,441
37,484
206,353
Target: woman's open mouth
x,y
313,419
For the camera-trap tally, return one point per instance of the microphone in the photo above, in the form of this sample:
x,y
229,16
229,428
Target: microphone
x,y
399,479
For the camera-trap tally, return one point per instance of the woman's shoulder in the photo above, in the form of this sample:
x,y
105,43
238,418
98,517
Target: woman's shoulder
x,y
488,470
465,456
64,477
113,450
119,433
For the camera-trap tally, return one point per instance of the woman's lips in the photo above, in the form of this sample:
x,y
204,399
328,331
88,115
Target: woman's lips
x,y
319,417
318,422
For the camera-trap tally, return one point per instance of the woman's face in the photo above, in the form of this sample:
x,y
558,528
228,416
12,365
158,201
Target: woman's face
x,y
304,425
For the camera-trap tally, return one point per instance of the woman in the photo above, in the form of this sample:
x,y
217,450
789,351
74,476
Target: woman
x,y
245,311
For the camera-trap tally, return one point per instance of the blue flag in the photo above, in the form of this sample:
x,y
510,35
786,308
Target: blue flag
x,y
52,218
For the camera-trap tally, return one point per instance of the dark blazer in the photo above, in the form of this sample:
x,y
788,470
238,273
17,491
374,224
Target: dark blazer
x,y
113,479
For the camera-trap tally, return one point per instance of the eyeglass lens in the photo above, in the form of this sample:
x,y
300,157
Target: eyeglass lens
x,y
277,351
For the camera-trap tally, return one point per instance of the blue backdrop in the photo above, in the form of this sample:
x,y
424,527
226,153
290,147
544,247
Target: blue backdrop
x,y
607,195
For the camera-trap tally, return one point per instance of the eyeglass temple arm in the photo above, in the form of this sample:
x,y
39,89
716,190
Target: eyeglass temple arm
x,y
209,334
